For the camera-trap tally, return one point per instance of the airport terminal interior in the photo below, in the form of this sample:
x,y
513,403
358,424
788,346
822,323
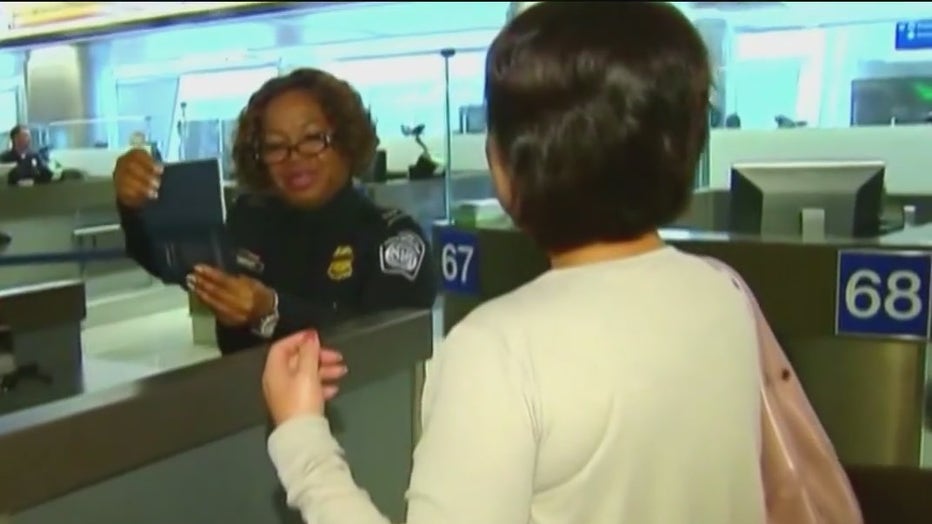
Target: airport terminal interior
x,y
815,186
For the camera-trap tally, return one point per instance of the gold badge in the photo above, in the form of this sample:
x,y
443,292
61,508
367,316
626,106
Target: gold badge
x,y
341,264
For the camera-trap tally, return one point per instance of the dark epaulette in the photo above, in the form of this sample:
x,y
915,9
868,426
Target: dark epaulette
x,y
391,215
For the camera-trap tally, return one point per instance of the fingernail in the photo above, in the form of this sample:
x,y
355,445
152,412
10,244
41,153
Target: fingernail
x,y
344,370
159,168
153,194
191,280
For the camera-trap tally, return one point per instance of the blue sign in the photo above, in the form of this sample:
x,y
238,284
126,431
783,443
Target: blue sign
x,y
883,294
913,35
459,261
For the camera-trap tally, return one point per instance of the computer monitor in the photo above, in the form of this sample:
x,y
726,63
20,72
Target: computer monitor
x,y
769,198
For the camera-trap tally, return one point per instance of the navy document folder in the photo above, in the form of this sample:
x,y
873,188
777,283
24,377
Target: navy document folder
x,y
185,224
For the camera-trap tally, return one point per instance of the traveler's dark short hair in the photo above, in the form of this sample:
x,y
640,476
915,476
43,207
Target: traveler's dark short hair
x,y
354,134
15,131
600,113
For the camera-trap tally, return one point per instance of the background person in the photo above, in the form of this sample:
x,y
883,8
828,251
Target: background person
x,y
138,140
30,168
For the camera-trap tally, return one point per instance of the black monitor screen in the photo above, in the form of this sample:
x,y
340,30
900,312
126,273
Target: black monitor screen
x,y
769,198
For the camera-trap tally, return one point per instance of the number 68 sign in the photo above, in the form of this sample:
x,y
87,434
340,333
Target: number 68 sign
x,y
883,294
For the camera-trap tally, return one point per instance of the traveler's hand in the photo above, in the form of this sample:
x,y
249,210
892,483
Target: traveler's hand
x,y
136,178
299,376
235,300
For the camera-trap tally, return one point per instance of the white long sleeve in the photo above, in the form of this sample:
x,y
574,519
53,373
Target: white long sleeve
x,y
315,476
474,462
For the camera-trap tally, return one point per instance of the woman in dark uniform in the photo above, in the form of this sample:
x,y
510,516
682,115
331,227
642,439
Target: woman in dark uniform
x,y
312,249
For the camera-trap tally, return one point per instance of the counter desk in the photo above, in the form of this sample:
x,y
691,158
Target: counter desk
x,y
40,344
853,316
57,218
709,209
189,445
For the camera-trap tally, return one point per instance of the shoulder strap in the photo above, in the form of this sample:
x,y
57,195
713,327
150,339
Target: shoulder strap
x,y
804,481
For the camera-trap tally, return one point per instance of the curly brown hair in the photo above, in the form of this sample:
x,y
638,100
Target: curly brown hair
x,y
354,134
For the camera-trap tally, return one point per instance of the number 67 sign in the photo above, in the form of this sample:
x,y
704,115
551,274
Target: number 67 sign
x,y
459,261
883,294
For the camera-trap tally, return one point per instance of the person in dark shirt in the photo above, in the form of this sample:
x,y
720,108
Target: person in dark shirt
x,y
30,167
311,249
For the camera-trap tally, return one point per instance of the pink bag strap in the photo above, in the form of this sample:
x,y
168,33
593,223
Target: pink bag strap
x,y
824,494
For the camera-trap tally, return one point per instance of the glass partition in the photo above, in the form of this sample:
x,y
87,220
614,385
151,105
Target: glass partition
x,y
205,99
97,133
155,97
210,138
819,65
9,101
407,96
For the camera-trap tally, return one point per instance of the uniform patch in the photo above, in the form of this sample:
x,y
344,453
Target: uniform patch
x,y
341,264
402,255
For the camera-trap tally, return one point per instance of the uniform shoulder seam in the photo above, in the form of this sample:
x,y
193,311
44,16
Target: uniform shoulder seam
x,y
390,216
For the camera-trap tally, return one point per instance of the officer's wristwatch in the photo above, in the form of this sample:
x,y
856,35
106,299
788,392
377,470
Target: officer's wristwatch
x,y
267,324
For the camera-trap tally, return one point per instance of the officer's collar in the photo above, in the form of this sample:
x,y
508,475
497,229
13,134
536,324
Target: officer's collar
x,y
338,204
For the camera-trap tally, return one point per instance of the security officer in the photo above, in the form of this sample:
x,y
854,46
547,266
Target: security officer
x,y
311,249
30,168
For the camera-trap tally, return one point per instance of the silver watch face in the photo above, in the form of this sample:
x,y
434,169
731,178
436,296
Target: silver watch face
x,y
268,324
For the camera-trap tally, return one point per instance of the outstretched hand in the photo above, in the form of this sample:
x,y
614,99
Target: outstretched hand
x,y
300,376
235,300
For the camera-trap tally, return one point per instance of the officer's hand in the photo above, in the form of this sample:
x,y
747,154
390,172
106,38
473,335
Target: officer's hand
x,y
299,376
136,178
235,300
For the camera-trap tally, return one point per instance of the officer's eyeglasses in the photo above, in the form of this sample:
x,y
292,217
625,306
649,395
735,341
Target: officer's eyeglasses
x,y
308,147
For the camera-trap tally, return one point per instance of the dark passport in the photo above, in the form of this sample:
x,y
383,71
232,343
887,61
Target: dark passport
x,y
186,223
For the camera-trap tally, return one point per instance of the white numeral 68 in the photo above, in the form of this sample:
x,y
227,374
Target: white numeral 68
x,y
866,293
